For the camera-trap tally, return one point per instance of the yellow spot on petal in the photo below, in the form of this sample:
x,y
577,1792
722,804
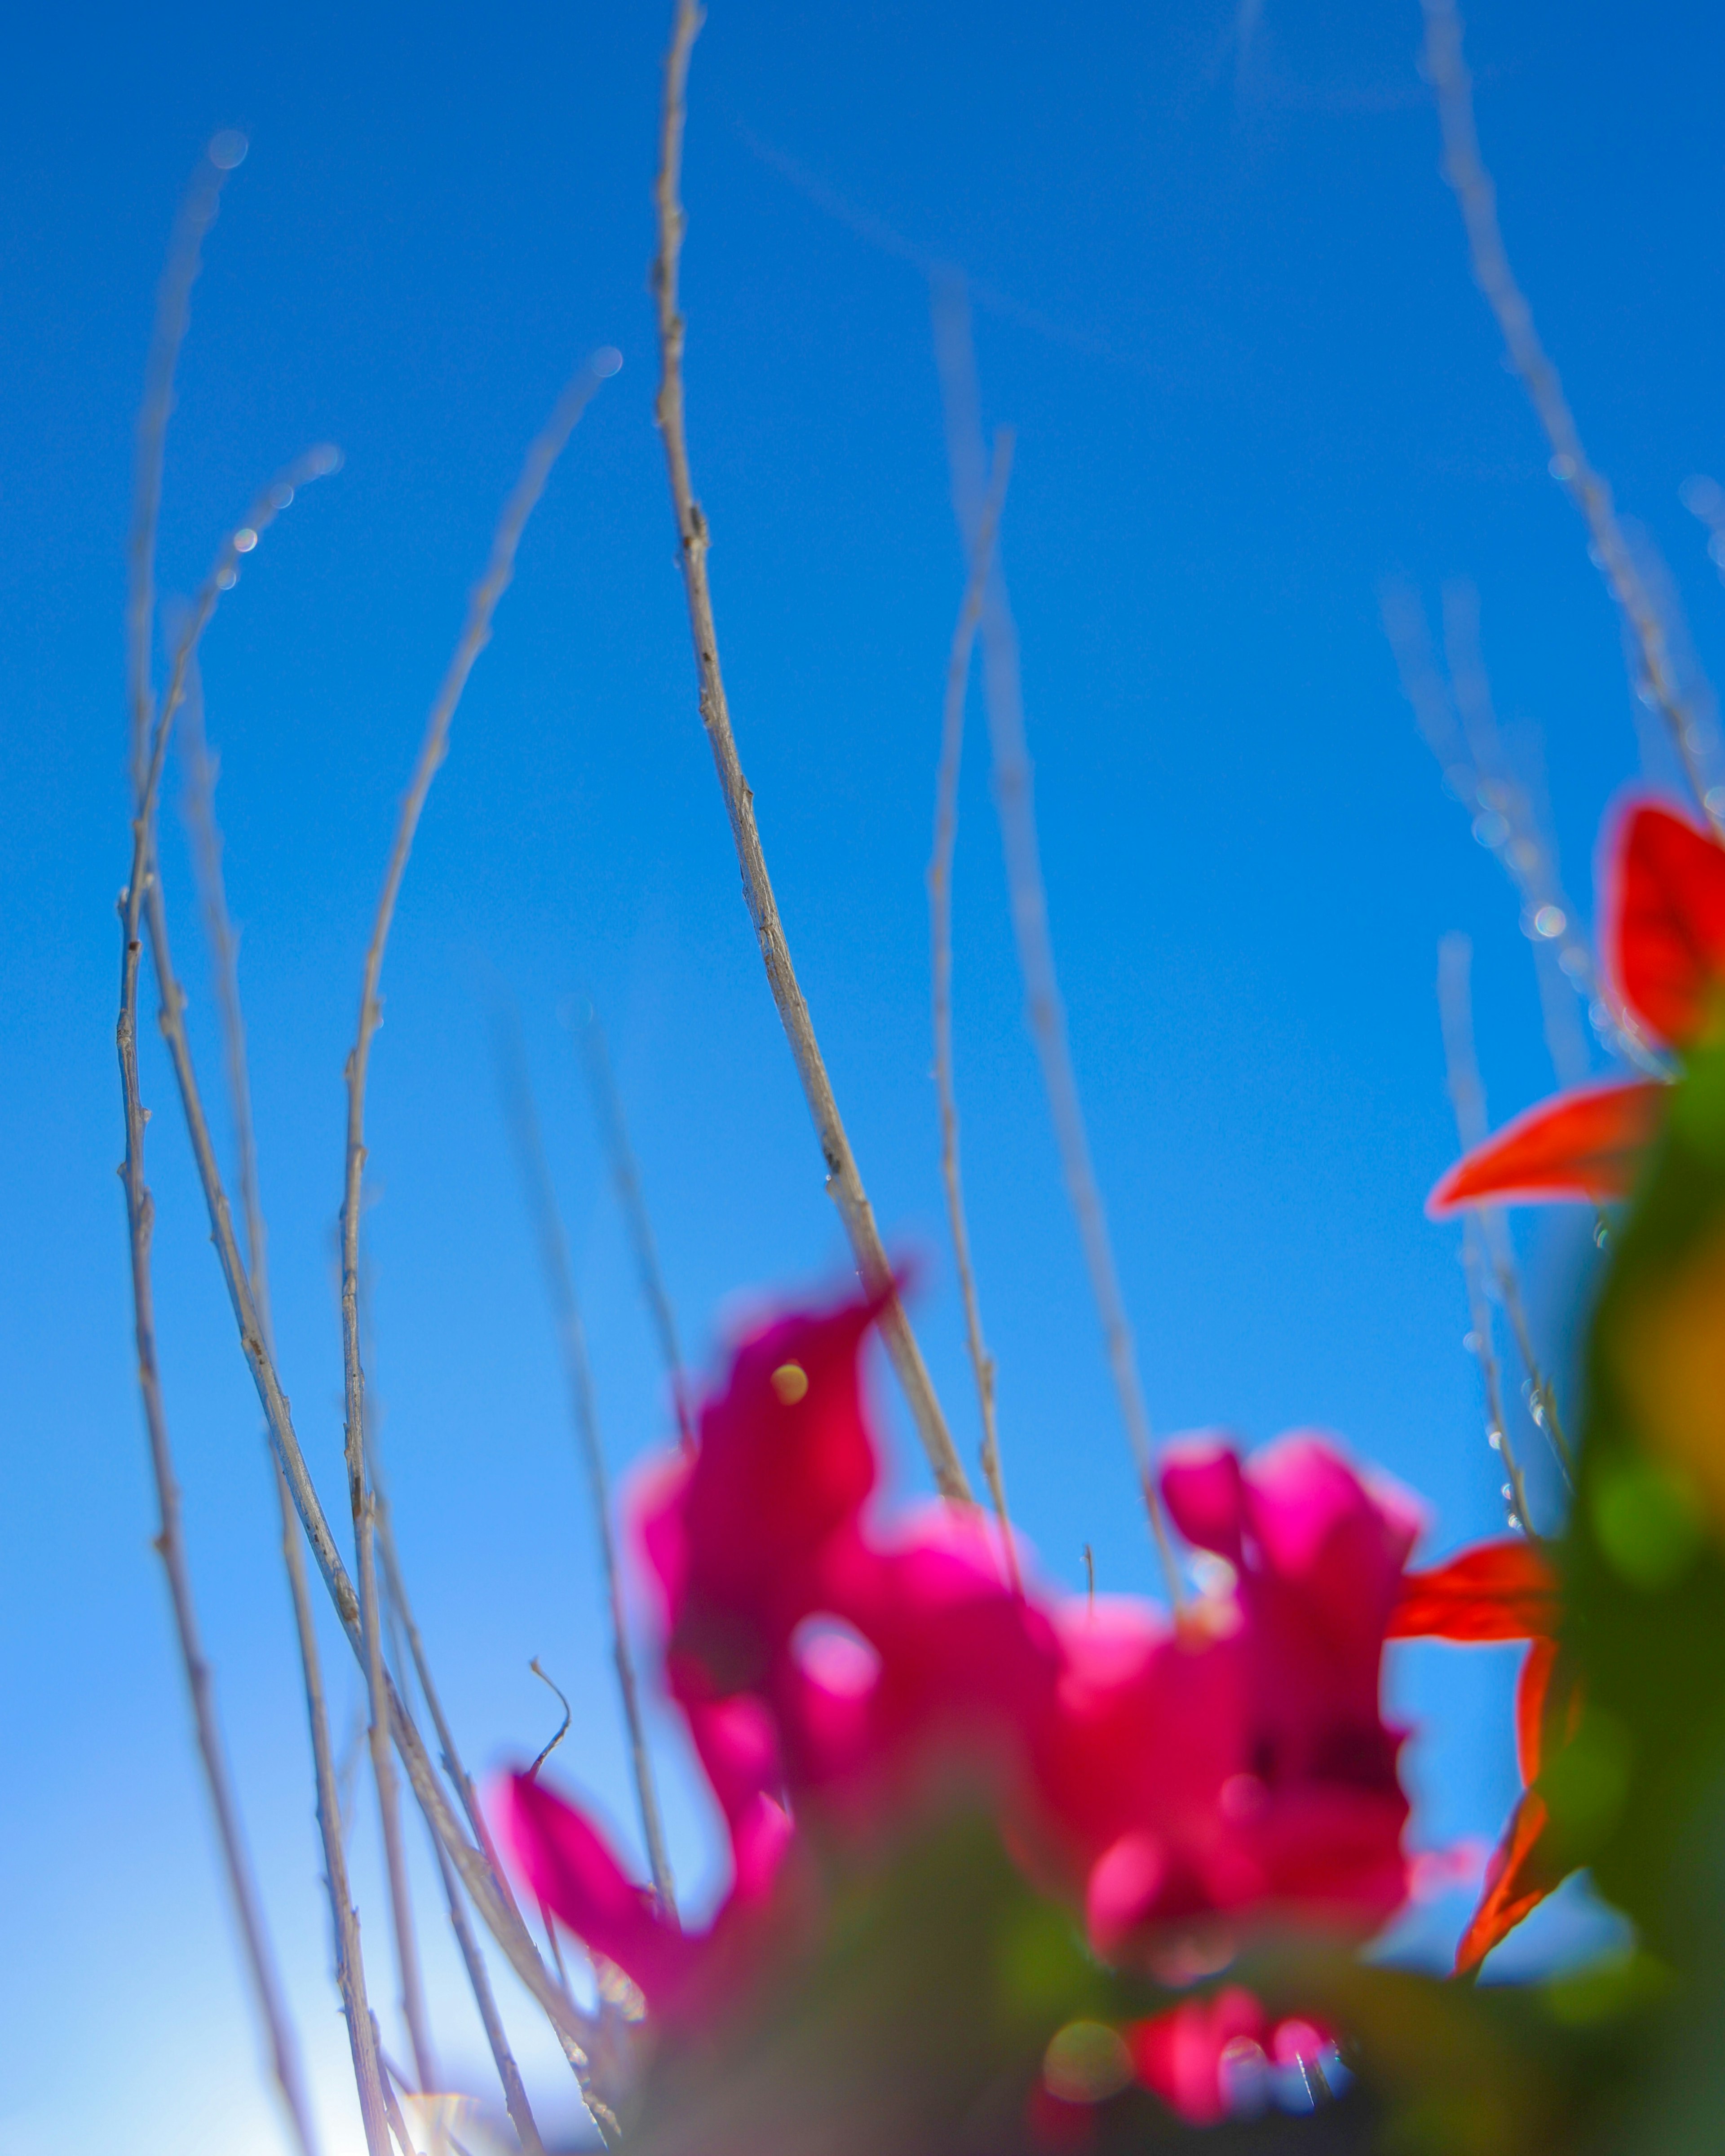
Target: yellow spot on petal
x,y
790,1381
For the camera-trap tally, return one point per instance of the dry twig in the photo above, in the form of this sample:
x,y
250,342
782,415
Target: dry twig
x,y
1465,172
940,933
515,2093
844,1184
475,633
196,213
619,1155
225,965
1505,818
1044,1011
523,1118
1467,1098
171,1547
476,1867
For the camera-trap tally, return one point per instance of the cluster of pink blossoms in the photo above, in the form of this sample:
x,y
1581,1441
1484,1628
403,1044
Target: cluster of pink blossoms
x,y
1176,1780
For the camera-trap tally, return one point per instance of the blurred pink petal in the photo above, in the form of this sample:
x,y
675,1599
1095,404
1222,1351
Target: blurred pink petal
x,y
1178,2054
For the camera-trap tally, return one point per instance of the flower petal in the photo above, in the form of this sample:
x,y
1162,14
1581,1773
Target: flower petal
x,y
1179,2054
1517,1880
1532,1687
1666,908
1500,1590
1587,1144
574,1874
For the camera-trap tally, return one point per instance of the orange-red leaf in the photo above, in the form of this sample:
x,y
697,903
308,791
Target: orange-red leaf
x,y
1531,1689
1517,1880
1500,1590
1666,911
1586,1143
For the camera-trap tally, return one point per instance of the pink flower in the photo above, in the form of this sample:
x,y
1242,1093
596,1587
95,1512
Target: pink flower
x,y
1239,1763
1161,1778
1200,2055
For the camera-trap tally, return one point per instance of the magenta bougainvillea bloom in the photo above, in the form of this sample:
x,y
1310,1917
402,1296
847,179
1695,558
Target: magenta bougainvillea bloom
x,y
1175,1779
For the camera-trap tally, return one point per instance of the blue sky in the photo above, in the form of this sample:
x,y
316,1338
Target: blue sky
x,y
1221,294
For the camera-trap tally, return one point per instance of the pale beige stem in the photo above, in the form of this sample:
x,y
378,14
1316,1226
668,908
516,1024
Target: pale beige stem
x,y
1465,170
536,471
224,966
196,213
1045,1009
940,933
843,1182
485,1887
1467,1098
170,1545
476,634
619,1155
559,1275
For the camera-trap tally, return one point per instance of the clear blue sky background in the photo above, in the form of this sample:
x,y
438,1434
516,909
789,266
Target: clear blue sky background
x,y
1229,311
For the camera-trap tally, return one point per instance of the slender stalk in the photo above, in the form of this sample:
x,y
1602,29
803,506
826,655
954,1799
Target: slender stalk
x,y
401,1900
515,2093
620,1158
523,1117
393,2079
475,633
844,1184
197,214
1464,171
1503,814
171,1547
224,960
460,1780
1467,1098
489,1895
940,934
514,2090
401,1625
1526,850
1015,805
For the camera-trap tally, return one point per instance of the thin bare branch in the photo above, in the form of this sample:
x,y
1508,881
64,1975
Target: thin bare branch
x,y
940,934
619,1156
195,215
460,1780
1477,773
537,1188
479,1874
475,1865
562,1731
1015,804
173,297
514,2090
1467,1098
1465,172
844,1184
535,469
515,2093
170,1545
393,2079
200,811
